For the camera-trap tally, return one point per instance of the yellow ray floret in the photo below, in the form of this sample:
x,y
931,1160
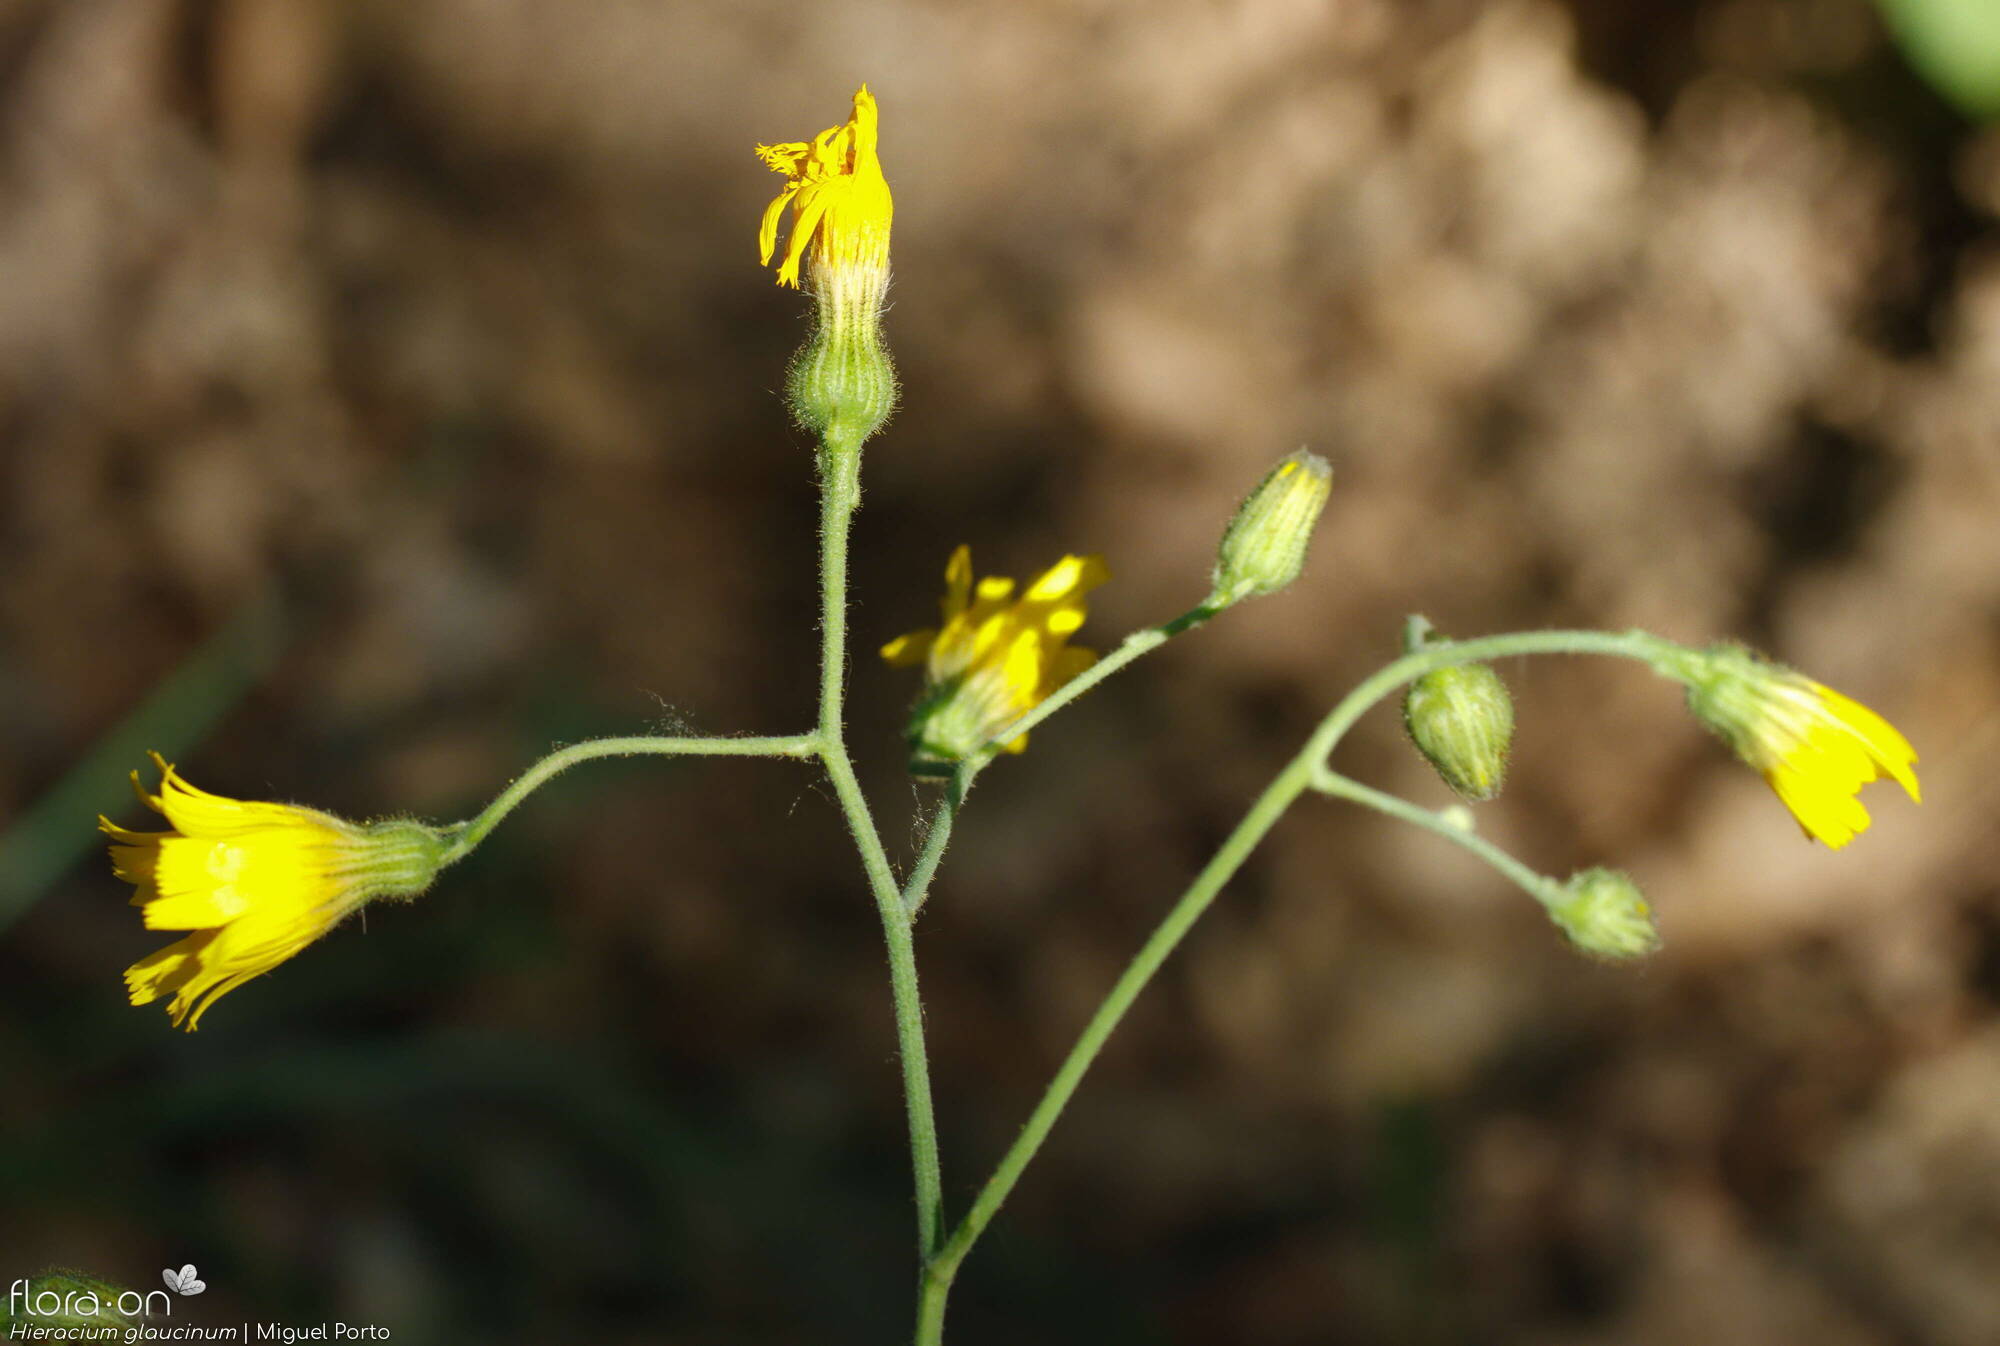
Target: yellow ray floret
x,y
840,201
254,882
994,657
1815,747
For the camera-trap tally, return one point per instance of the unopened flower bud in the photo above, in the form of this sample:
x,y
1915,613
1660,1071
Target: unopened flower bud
x,y
1603,913
1264,547
842,382
1462,721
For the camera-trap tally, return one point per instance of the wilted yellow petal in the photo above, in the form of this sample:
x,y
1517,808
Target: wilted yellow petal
x,y
841,206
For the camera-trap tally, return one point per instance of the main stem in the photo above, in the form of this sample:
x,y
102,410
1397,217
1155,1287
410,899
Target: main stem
x,y
1304,770
840,493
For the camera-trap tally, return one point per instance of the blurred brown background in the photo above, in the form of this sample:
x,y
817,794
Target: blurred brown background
x,y
387,394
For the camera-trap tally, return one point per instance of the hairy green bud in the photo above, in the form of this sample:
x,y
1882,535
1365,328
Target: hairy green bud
x,y
1462,721
1264,547
1603,913
843,382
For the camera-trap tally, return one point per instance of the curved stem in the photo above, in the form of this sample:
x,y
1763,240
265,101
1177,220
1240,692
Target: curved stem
x,y
840,493
1344,787
1303,771
1263,814
1640,645
467,835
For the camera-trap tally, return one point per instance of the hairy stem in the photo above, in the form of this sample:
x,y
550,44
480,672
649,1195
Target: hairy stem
x,y
1305,770
1142,641
919,885
1343,787
467,835
1643,646
1165,938
917,889
840,493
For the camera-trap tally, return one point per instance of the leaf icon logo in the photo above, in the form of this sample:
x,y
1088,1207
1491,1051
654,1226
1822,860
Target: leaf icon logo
x,y
184,1281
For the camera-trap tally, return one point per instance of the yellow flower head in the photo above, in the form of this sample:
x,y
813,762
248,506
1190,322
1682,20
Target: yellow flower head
x,y
1814,746
839,198
254,882
995,657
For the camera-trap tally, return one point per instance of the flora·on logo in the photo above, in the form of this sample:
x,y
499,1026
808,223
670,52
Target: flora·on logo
x,y
71,1297
184,1281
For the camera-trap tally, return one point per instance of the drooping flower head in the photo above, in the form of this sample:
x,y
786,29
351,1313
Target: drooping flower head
x,y
996,656
840,201
1814,746
254,883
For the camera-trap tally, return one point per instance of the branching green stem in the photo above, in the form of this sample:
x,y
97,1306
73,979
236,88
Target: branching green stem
x,y
960,781
1304,771
965,773
840,494
1263,814
1643,646
917,889
466,836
